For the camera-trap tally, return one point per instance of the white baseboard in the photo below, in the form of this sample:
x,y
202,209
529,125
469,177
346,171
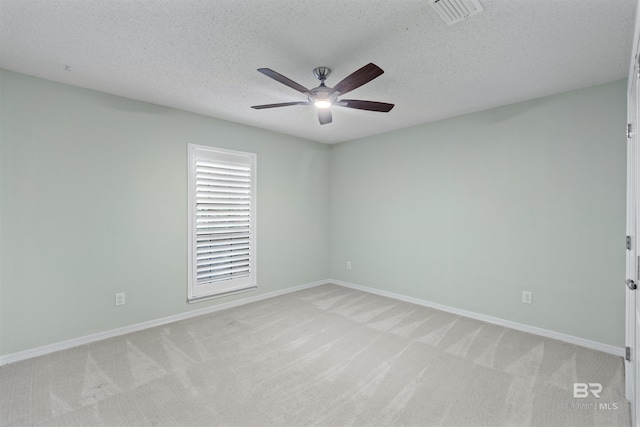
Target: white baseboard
x,y
50,348
63,345
594,345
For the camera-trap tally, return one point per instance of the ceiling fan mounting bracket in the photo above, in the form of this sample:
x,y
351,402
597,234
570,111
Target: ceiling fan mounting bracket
x,y
322,73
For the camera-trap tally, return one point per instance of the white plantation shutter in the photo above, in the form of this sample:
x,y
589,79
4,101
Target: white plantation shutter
x,y
222,221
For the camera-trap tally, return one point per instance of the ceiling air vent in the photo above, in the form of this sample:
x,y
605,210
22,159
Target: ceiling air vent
x,y
453,11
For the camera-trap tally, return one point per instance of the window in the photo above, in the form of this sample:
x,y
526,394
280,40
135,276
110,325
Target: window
x,y
222,222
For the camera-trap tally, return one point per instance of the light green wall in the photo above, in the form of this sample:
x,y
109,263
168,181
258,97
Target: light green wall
x,y
94,202
468,212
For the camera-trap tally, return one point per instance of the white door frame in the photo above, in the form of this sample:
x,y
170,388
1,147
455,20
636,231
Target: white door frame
x,y
633,164
632,303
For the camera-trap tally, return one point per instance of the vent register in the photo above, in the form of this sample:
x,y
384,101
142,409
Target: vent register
x,y
454,11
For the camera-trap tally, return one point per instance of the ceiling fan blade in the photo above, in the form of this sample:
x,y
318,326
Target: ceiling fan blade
x,y
282,79
282,104
358,78
324,116
383,107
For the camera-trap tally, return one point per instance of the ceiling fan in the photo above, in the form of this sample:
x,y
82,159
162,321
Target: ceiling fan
x,y
323,97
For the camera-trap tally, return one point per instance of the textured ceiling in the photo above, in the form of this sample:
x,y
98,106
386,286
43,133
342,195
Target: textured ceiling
x,y
202,56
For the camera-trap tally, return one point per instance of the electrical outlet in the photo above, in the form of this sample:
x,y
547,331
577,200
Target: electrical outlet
x,y
348,265
120,298
526,297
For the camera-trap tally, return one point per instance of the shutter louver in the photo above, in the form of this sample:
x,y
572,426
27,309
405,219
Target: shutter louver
x,y
223,221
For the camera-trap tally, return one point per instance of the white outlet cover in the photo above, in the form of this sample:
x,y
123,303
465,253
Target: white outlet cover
x,y
120,298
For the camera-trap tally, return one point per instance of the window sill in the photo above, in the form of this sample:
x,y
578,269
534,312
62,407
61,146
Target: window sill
x,y
222,294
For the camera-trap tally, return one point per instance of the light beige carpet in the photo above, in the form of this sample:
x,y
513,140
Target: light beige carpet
x,y
325,356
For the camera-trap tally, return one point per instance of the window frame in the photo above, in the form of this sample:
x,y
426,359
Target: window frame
x,y
216,289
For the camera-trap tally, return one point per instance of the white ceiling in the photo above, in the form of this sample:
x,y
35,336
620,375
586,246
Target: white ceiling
x,y
202,56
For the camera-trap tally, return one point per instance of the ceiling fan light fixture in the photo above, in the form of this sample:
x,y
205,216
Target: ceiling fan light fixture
x,y
322,103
